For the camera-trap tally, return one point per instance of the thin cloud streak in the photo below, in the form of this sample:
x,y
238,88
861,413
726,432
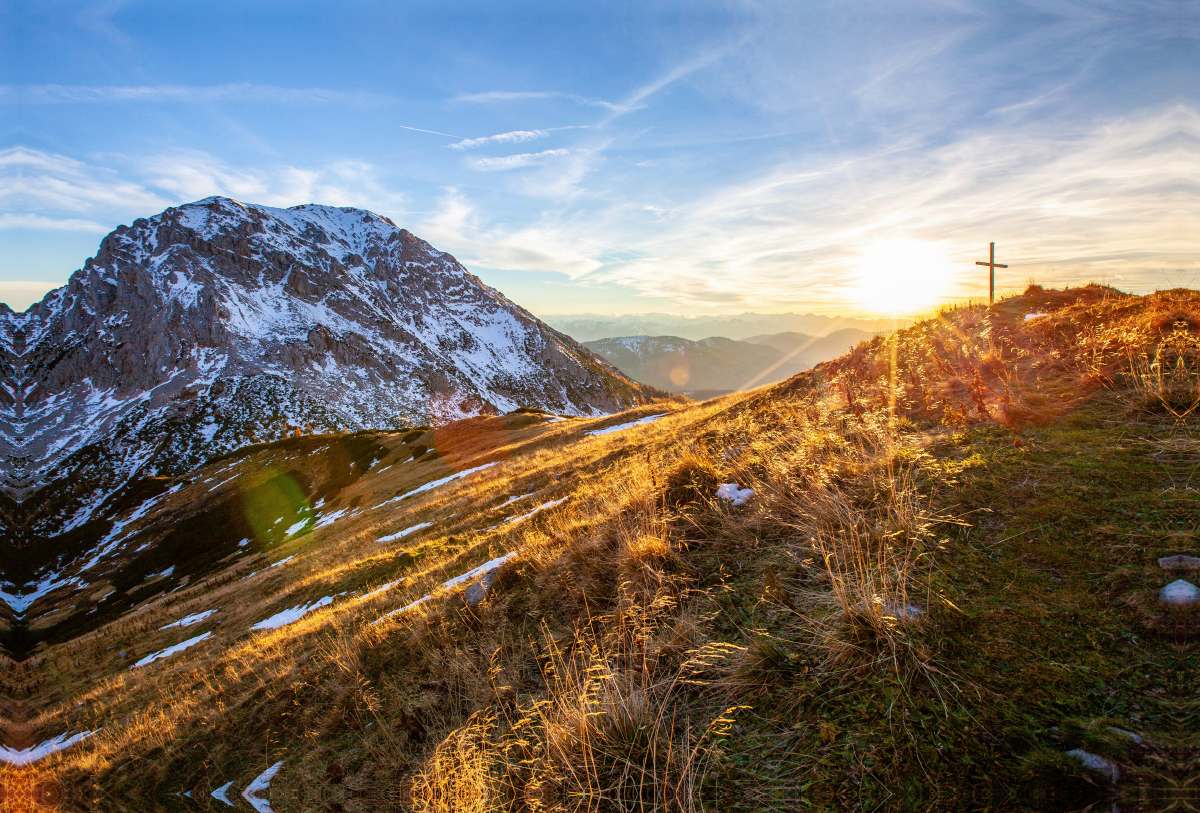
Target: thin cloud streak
x,y
9,220
637,99
506,96
514,137
181,94
493,96
507,162
431,132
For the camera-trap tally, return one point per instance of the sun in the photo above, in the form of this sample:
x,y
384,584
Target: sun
x,y
902,277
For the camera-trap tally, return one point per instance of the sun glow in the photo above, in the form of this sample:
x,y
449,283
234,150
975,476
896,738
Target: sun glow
x,y
902,277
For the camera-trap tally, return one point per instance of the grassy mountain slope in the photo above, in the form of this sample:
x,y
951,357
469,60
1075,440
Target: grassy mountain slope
x,y
945,579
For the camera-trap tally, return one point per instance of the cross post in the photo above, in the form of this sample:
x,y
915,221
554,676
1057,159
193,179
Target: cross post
x,y
992,266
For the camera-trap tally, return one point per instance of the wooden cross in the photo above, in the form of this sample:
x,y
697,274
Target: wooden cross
x,y
992,266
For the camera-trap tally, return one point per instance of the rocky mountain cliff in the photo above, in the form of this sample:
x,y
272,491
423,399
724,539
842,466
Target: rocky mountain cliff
x,y
218,324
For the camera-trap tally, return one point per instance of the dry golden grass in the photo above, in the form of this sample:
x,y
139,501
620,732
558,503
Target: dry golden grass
x,y
590,678
608,728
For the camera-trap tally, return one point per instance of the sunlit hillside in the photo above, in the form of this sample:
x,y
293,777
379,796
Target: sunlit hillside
x,y
926,574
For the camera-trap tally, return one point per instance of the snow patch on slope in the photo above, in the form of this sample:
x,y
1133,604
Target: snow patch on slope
x,y
172,650
27,756
621,427
282,619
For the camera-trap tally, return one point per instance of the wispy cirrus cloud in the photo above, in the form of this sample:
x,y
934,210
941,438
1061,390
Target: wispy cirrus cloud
x,y
47,186
514,137
542,246
493,96
506,162
1118,200
185,94
97,19
44,190
25,220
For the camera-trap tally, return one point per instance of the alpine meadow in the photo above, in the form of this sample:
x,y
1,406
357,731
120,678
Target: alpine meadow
x,y
605,408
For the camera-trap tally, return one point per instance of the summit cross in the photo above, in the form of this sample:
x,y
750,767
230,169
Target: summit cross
x,y
992,266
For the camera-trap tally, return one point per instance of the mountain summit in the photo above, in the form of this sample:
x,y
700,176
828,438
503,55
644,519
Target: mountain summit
x,y
218,323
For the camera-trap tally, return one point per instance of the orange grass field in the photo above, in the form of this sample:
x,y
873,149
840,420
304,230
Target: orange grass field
x,y
844,639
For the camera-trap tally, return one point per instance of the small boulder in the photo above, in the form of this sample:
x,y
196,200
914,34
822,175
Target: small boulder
x,y
1180,593
1096,763
477,591
1179,562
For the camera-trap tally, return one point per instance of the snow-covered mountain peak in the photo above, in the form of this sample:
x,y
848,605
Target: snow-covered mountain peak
x,y
220,323
340,230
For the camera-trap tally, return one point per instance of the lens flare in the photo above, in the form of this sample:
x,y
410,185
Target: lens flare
x,y
275,505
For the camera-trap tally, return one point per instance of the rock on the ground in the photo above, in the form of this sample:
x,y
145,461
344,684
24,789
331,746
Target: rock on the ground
x,y
903,612
1180,593
1096,763
1179,562
477,591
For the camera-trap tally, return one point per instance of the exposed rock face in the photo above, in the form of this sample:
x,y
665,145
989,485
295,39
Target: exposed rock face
x,y
218,324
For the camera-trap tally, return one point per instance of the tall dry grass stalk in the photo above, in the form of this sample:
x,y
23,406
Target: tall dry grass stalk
x,y
609,734
466,772
871,554
610,728
1167,376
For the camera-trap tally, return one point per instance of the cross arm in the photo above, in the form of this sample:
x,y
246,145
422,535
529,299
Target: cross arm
x,y
994,265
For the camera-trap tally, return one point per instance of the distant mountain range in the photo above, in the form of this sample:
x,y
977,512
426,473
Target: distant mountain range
x,y
718,364
590,327
220,324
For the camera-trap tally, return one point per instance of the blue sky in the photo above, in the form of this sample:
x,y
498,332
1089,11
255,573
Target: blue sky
x,y
693,157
